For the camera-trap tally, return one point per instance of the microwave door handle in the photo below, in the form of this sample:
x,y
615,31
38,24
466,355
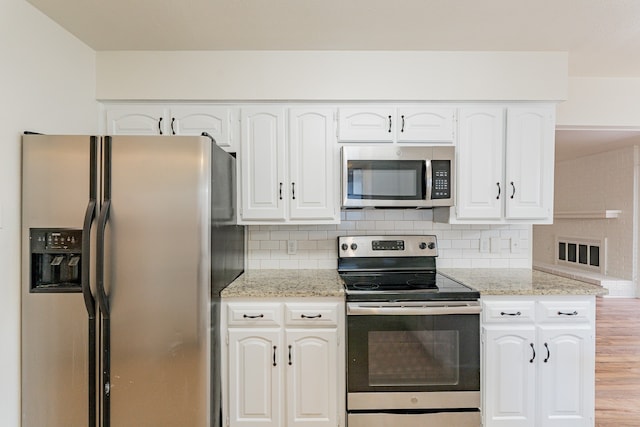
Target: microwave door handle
x,y
428,180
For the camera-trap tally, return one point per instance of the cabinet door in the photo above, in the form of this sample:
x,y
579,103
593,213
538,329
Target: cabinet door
x,y
567,376
262,161
312,370
137,120
366,125
480,186
530,162
255,357
509,376
215,120
312,164
425,125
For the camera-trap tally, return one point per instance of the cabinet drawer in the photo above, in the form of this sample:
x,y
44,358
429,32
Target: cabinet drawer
x,y
508,311
309,314
564,311
265,314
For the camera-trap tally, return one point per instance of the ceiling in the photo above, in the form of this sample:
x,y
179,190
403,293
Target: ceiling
x,y
602,37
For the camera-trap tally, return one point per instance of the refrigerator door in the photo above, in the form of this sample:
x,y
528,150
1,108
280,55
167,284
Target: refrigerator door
x,y
57,186
157,282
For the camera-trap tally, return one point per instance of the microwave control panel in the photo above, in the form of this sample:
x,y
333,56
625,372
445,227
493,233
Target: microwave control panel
x,y
441,179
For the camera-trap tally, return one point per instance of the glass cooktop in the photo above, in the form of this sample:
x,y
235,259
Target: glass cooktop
x,y
410,286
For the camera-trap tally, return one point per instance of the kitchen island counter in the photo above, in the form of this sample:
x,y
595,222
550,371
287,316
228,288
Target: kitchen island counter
x,y
285,283
520,281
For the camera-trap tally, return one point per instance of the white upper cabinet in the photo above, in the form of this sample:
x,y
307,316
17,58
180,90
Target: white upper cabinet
x,y
289,180
366,124
425,124
136,120
480,159
530,162
263,163
214,120
160,119
313,172
505,164
413,124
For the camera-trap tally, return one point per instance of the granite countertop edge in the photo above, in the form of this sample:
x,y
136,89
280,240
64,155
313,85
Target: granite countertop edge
x,y
327,283
302,283
521,282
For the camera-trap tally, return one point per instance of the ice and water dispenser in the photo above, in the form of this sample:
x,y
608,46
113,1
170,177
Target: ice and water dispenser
x,y
56,256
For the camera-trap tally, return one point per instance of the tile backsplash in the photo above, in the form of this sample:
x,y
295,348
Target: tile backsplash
x,y
316,245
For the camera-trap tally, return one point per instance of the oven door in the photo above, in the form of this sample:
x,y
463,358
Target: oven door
x,y
406,355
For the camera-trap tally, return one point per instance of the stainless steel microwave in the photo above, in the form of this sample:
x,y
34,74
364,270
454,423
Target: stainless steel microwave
x,y
419,177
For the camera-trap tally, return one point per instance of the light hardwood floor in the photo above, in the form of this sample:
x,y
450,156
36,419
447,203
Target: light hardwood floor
x,y
617,362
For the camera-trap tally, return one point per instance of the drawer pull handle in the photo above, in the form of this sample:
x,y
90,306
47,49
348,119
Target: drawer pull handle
x,y
548,353
290,362
517,313
315,316
534,353
274,355
562,313
389,124
252,316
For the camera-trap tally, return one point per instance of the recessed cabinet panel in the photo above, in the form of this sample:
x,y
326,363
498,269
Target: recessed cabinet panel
x,y
312,164
366,124
312,377
254,378
216,121
567,400
137,120
529,162
425,125
509,366
480,163
262,159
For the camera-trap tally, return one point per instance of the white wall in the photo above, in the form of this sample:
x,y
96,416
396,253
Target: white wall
x,y
332,75
592,183
601,102
47,85
459,245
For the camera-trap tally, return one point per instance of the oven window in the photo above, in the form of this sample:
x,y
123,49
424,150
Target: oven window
x,y
386,179
413,353
410,358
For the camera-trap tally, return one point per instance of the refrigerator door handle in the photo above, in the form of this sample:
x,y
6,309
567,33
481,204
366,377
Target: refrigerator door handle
x,y
89,301
103,300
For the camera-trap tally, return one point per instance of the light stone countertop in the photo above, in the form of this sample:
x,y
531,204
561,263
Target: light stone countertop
x,y
285,283
327,283
520,281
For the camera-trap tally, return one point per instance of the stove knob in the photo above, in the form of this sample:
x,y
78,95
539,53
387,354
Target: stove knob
x,y
422,245
432,245
354,246
344,246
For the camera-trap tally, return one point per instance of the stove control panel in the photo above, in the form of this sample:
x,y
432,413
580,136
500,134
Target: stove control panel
x,y
381,246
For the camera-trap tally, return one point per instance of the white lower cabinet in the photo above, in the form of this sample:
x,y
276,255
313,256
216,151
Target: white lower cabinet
x,y
538,365
284,363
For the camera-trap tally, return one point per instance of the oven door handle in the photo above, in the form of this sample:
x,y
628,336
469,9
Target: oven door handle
x,y
409,310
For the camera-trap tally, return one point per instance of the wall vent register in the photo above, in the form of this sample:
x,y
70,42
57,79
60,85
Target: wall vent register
x,y
581,253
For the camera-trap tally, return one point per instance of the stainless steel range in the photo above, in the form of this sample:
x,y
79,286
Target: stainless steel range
x,y
413,336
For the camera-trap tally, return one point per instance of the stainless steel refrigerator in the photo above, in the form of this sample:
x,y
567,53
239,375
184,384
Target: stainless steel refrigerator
x,y
126,245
